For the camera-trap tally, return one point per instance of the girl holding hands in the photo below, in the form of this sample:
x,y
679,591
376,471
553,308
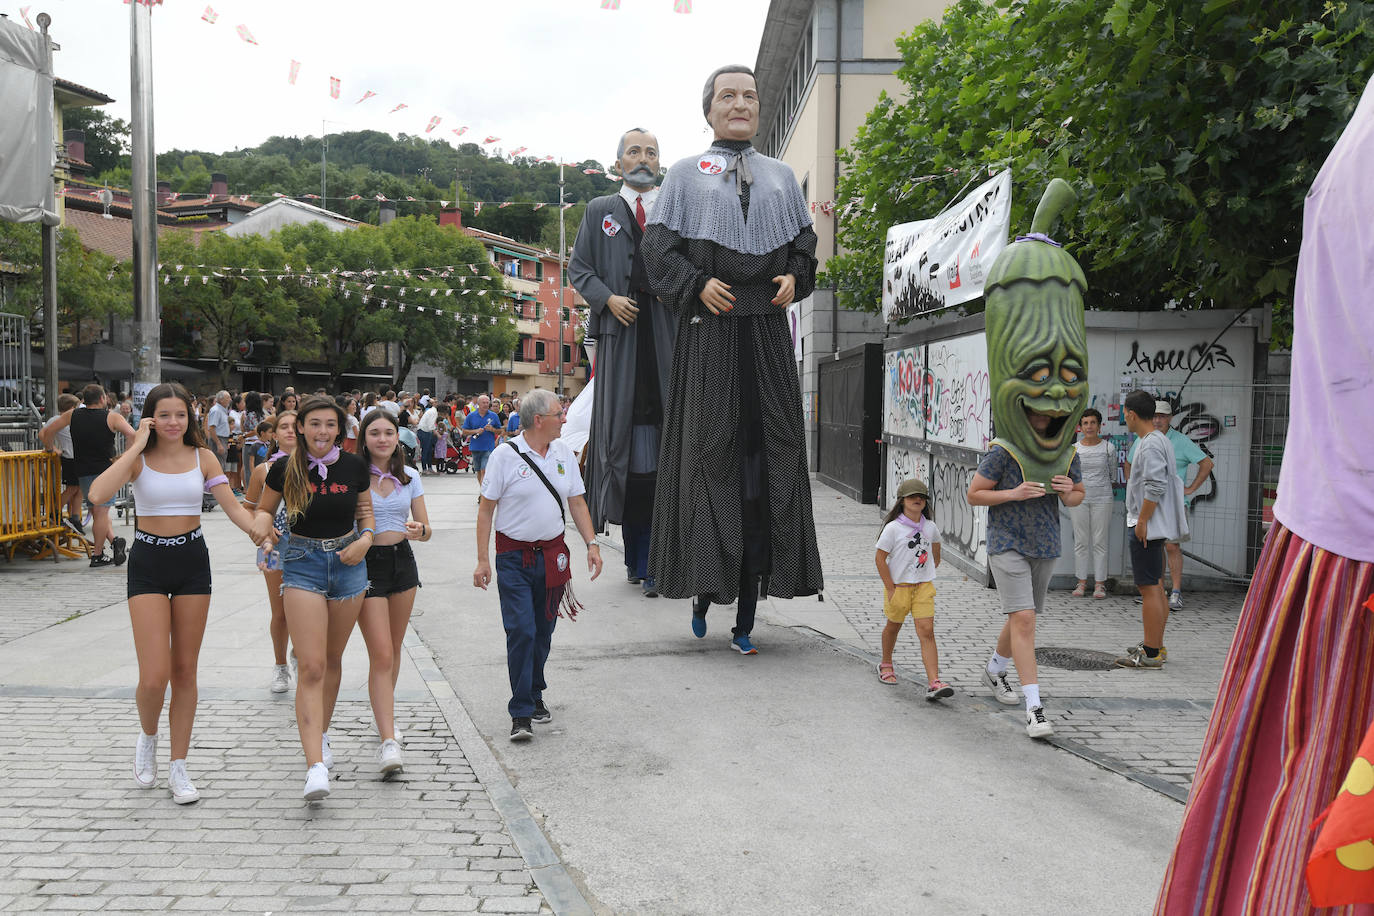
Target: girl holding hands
x,y
329,515
398,507
169,569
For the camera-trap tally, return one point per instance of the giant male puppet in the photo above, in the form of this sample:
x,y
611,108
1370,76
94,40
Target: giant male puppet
x,y
634,334
729,246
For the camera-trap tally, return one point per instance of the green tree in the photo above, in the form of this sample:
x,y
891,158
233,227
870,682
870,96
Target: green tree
x,y
236,296
1190,130
90,285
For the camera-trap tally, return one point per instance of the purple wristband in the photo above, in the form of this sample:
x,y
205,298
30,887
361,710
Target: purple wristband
x,y
214,482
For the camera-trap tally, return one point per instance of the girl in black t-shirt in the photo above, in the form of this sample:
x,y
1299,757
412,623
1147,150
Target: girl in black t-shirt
x,y
329,516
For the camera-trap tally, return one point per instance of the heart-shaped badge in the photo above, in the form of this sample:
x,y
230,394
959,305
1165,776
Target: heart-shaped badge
x,y
711,164
610,226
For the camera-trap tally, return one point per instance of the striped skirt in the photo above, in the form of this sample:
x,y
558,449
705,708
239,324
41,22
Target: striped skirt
x,y
1296,697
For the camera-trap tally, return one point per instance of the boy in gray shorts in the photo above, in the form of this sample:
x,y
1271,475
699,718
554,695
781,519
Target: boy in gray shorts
x,y
1023,544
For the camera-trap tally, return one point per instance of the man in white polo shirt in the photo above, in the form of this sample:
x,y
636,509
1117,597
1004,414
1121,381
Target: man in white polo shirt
x,y
528,481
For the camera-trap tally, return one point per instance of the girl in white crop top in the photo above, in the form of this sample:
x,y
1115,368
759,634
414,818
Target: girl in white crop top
x,y
169,569
398,511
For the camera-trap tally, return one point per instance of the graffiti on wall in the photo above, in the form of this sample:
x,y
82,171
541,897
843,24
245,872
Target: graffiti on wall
x,y
903,464
1200,357
902,395
956,397
962,527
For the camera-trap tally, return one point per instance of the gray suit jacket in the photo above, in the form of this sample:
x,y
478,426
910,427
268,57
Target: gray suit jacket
x,y
601,260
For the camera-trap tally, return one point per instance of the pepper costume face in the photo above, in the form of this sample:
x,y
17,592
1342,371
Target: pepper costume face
x,y
1037,345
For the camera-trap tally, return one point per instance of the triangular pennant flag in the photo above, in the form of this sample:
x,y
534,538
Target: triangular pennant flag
x,y
366,95
518,150
491,139
459,131
334,83
398,108
591,171
477,208
381,197
24,12
246,35
503,205
433,123
682,6
537,206
445,203
566,206
209,15
610,4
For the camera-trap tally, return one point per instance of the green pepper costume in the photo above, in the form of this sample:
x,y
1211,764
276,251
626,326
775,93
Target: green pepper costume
x,y
1037,344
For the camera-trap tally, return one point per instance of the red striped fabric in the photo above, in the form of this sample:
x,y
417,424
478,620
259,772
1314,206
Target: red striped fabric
x,y
1296,698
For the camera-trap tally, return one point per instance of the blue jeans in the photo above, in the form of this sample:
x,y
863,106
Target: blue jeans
x,y
529,614
637,549
426,448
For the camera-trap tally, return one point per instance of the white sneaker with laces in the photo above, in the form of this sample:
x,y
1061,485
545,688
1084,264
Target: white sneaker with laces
x,y
145,761
1176,601
281,679
1037,725
316,782
389,757
326,754
183,792
1001,690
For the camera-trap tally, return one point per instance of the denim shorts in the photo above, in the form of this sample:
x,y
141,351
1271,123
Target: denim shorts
x,y
85,482
480,459
310,568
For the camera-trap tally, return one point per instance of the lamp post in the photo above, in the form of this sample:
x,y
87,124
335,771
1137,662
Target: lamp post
x,y
562,253
147,353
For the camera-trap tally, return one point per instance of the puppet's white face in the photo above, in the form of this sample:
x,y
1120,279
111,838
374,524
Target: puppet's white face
x,y
734,113
639,161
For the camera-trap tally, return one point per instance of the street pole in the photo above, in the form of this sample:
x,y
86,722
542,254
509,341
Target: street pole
x,y
324,154
147,354
49,235
562,251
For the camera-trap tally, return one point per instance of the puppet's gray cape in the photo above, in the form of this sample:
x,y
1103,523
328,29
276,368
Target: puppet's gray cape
x,y
600,268
733,496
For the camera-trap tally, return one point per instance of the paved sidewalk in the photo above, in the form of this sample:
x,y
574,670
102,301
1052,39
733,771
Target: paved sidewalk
x,y
1145,724
77,836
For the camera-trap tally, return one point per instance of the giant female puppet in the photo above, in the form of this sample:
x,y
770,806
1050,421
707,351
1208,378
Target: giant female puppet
x,y
1297,691
729,246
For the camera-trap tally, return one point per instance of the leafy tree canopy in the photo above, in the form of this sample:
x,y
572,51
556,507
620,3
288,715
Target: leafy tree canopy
x,y
1191,131
89,284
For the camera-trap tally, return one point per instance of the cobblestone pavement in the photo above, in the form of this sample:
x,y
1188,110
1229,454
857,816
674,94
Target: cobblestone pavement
x,y
1145,724
76,835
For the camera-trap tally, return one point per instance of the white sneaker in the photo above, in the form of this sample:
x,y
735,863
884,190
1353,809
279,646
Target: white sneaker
x,y
183,793
1176,601
281,679
316,782
145,761
1037,726
396,731
325,754
1001,690
389,757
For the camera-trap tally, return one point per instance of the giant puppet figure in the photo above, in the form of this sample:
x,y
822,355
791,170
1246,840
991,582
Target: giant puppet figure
x,y
634,349
1297,689
1037,344
729,246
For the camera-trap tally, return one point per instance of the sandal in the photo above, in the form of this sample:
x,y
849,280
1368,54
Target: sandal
x,y
886,674
1100,591
1078,592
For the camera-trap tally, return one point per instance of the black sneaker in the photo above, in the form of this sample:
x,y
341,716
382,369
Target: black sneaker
x,y
102,560
541,713
120,554
521,729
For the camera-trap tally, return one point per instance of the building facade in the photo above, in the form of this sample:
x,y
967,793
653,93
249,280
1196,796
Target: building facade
x,y
821,67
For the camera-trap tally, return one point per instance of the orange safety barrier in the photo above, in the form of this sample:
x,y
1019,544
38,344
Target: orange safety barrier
x,y
30,500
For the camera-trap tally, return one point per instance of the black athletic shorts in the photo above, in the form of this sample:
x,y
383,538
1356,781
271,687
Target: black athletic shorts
x,y
391,570
177,565
1147,560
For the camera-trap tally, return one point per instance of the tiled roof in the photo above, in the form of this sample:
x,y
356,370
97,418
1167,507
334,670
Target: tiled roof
x,y
114,237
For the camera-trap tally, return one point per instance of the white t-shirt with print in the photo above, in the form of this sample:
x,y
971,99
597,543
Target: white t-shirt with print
x,y
525,509
910,557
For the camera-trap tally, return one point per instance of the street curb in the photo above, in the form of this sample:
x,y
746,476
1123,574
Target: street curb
x,y
548,871
1105,761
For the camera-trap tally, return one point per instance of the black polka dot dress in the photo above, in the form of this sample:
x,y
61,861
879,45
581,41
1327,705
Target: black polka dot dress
x,y
733,497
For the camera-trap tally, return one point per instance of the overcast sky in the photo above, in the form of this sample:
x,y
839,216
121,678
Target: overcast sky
x,y
561,77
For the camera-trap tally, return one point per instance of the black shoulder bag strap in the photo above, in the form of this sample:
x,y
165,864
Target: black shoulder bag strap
x,y
540,474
